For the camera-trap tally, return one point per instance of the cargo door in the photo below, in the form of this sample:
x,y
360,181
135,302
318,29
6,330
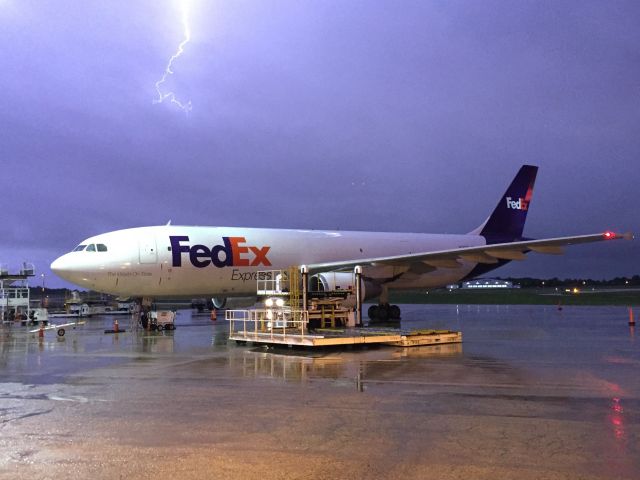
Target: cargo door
x,y
148,250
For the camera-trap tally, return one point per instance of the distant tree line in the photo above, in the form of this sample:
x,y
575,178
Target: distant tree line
x,y
59,294
528,282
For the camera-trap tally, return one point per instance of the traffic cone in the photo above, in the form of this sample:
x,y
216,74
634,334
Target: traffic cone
x,y
41,331
632,322
115,326
214,315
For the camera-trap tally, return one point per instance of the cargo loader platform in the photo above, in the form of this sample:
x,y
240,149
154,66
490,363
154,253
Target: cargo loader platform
x,y
281,327
302,322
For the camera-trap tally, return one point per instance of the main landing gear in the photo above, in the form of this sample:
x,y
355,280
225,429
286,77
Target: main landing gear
x,y
384,312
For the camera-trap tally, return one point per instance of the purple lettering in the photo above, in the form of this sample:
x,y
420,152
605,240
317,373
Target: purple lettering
x,y
177,249
233,252
196,253
228,255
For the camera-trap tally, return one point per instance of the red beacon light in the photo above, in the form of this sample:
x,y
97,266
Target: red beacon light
x,y
609,235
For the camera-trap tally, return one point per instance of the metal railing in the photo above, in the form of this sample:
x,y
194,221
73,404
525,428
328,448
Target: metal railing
x,y
272,282
28,269
271,322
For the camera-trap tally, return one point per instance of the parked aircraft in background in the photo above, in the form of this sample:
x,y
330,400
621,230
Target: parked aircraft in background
x,y
224,263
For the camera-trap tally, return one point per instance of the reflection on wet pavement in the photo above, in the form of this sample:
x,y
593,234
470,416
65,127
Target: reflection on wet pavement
x,y
531,393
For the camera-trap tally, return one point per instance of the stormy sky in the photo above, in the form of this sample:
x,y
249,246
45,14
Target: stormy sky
x,y
353,115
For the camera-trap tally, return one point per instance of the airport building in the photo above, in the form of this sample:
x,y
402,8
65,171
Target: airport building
x,y
488,283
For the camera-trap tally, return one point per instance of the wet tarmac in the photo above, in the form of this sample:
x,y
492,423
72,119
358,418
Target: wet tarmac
x,y
533,392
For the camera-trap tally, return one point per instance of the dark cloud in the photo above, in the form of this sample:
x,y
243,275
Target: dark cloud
x,y
371,116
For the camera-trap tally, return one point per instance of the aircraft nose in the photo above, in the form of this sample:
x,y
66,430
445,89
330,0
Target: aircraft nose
x,y
61,267
56,265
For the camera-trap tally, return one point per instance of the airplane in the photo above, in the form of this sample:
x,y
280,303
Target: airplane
x,y
224,263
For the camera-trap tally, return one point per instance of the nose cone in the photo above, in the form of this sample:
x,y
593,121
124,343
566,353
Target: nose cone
x,y
61,266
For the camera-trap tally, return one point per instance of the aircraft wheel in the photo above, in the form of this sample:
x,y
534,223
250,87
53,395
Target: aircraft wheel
x,y
61,332
373,312
394,312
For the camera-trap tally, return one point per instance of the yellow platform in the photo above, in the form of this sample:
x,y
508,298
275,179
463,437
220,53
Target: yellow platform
x,y
350,337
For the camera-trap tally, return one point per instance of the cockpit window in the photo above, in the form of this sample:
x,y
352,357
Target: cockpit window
x,y
100,247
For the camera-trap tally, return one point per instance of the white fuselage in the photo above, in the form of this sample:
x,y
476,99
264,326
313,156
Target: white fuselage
x,y
171,261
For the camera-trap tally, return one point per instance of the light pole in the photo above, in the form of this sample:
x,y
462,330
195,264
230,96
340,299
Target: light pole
x,y
42,292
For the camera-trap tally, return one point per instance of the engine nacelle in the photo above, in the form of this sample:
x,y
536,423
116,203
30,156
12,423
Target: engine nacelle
x,y
233,302
331,281
343,281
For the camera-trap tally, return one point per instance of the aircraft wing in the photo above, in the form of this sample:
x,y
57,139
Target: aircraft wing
x,y
493,253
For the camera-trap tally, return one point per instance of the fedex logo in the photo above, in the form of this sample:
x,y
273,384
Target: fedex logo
x,y
519,204
232,253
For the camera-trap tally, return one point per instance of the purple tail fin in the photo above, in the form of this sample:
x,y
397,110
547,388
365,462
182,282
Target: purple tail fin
x,y
506,223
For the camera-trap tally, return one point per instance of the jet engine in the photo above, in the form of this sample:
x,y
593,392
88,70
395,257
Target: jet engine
x,y
343,281
331,281
233,302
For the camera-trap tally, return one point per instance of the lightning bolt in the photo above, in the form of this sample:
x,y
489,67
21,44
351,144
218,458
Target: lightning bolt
x,y
162,96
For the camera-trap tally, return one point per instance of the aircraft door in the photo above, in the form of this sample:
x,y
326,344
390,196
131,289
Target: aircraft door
x,y
148,250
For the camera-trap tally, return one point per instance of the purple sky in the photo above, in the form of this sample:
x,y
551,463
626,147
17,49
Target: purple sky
x,y
356,115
